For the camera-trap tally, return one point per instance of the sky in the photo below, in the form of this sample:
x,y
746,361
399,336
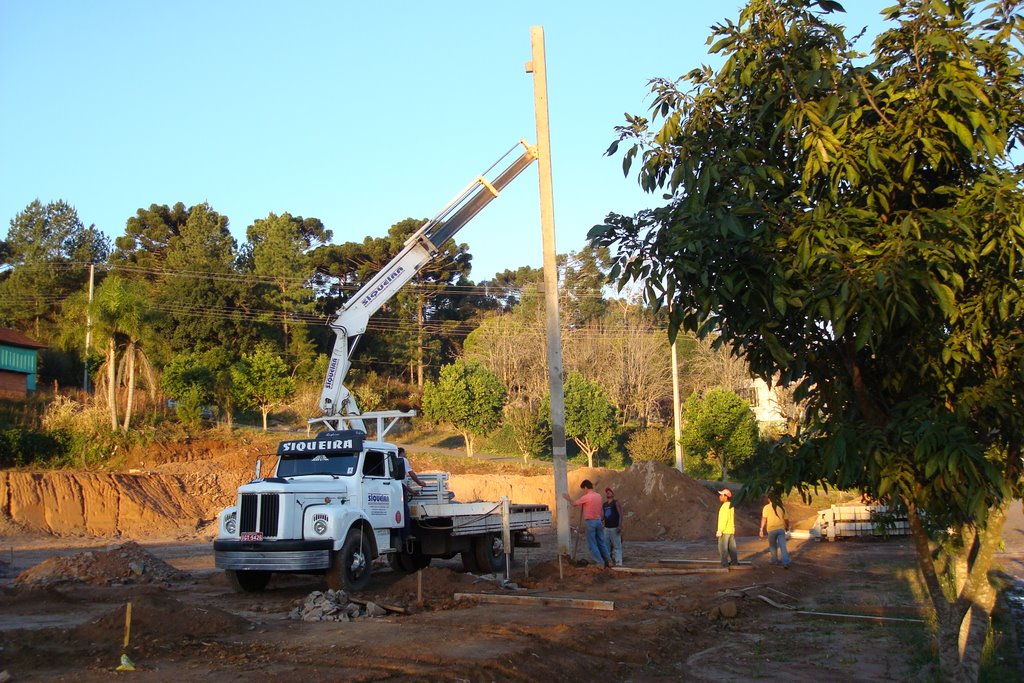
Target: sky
x,y
359,114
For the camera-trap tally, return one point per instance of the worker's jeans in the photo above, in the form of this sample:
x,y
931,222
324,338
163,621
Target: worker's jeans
x,y
595,539
777,545
613,539
727,549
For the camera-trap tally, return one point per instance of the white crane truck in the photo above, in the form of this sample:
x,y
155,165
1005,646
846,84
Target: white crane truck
x,y
336,501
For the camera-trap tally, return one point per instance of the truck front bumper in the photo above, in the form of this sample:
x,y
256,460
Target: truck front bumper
x,y
273,556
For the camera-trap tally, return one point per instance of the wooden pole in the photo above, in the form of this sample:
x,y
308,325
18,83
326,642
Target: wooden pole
x,y
538,67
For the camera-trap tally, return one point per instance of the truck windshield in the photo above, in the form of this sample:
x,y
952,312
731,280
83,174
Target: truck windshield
x,y
341,464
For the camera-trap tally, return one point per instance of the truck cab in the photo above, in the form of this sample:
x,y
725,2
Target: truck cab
x,y
333,505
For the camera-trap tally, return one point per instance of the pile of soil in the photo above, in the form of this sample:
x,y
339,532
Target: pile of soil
x,y
126,564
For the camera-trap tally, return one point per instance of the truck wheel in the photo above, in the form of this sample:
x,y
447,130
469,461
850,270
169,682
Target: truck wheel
x,y
247,580
350,566
469,562
401,563
489,552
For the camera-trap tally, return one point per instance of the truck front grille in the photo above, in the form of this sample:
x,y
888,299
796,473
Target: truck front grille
x,y
263,507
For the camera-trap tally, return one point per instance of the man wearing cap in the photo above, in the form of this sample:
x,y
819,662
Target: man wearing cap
x,y
590,502
727,529
612,512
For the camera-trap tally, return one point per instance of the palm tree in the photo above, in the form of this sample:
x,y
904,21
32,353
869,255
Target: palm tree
x,y
121,317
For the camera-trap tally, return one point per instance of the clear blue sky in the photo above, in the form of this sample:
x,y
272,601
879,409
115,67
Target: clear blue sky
x,y
358,115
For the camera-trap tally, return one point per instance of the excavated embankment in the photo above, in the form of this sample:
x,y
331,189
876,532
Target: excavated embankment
x,y
183,497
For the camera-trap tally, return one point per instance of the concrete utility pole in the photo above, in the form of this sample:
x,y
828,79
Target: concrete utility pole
x,y
538,68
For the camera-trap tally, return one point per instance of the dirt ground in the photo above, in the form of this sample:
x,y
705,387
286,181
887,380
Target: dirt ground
x,y
670,614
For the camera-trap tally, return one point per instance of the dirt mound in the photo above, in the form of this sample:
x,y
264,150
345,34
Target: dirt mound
x,y
160,620
659,502
128,563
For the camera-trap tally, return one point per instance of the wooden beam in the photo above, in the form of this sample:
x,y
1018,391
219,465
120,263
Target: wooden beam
x,y
606,605
869,617
666,571
684,561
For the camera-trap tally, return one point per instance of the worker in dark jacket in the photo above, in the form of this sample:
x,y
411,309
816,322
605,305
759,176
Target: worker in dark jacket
x,y
613,525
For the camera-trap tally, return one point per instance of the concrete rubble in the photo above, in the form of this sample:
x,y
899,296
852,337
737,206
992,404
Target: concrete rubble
x,y
332,605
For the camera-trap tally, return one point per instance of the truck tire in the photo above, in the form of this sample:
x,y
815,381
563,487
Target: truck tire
x,y
350,566
489,552
406,563
402,562
248,580
469,562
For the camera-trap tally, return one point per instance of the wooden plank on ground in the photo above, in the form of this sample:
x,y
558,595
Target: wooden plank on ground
x,y
668,571
502,599
869,617
685,561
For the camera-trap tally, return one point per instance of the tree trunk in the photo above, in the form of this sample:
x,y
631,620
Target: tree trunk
x,y
112,383
266,411
963,618
467,438
130,402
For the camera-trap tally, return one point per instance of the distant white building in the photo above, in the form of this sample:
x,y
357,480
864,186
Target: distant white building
x,y
769,408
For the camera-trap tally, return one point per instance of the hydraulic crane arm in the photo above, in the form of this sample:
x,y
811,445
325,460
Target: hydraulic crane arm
x,y
336,402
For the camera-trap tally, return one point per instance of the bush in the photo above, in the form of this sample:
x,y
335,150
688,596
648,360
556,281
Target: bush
x,y
651,444
21,447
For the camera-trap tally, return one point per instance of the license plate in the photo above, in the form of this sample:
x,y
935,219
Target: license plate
x,y
251,536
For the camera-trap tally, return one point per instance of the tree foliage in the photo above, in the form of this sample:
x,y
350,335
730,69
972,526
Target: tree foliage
x,y
590,419
853,227
261,380
719,433
468,397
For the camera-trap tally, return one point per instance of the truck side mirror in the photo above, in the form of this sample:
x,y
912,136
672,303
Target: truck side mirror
x,y
397,467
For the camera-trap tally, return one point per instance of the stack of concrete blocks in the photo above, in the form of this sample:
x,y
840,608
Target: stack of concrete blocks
x,y
851,521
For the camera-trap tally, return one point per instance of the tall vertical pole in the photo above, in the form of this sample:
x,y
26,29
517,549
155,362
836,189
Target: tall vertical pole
x,y
538,68
676,421
88,330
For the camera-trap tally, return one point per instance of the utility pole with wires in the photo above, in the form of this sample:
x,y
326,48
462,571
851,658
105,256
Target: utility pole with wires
x,y
538,68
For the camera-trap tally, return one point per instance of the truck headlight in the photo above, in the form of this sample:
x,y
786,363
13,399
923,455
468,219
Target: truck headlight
x,y
320,527
230,525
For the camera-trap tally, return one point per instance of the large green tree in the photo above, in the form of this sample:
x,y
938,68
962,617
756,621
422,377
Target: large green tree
x,y
590,419
720,433
277,253
853,225
261,380
468,397
49,249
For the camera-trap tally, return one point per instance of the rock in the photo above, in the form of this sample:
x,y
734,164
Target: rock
x,y
375,610
728,609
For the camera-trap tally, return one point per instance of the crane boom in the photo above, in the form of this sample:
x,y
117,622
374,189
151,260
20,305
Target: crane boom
x,y
337,404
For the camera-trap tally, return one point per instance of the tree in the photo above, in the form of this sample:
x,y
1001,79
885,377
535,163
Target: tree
x,y
261,380
589,416
122,318
189,382
277,253
853,228
468,397
521,419
719,433
49,249
200,289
